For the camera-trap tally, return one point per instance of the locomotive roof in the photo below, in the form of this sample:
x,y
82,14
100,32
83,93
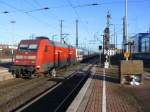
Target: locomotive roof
x,y
58,44
42,37
29,41
61,44
55,43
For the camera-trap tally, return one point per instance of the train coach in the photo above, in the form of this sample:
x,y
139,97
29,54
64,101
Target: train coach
x,y
41,55
84,54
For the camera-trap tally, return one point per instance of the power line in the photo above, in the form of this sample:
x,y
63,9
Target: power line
x,y
41,9
86,5
76,13
38,4
92,4
131,1
64,6
27,12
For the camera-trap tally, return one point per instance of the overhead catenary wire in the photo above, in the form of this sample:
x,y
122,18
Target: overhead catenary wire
x,y
70,4
39,5
75,6
76,13
96,3
27,13
131,1
63,6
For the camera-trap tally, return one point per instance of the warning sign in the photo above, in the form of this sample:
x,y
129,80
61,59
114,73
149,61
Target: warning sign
x,y
126,54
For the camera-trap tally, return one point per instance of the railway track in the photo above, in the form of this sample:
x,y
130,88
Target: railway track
x,y
11,82
18,91
4,85
5,75
73,92
60,95
9,95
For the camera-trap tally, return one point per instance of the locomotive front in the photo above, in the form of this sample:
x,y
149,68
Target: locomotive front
x,y
25,59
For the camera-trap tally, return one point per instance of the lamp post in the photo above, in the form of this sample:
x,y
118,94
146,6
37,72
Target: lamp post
x,y
126,24
13,36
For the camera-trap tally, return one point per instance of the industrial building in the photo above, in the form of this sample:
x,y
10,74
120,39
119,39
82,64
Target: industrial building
x,y
7,50
141,43
145,43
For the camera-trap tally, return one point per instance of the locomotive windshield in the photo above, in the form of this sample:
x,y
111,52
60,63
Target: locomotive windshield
x,y
32,47
28,47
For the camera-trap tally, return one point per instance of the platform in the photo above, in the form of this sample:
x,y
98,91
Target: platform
x,y
7,60
102,95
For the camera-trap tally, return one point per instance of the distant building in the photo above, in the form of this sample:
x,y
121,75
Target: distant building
x,y
3,46
145,43
6,50
6,46
141,43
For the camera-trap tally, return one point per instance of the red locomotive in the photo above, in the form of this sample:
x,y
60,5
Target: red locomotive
x,y
41,55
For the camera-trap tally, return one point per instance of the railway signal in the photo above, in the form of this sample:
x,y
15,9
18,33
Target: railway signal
x,y
106,42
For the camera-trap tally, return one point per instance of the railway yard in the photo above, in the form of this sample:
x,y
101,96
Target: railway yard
x,y
74,56
77,88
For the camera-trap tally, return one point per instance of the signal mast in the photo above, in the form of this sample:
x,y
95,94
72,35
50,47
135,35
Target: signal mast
x,y
106,42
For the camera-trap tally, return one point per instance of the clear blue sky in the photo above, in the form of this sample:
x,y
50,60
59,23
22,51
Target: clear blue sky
x,y
92,19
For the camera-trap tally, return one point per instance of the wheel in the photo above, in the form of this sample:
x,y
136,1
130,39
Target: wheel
x,y
32,76
17,75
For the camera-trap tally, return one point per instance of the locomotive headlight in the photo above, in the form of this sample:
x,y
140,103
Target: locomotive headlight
x,y
38,66
32,57
16,61
19,57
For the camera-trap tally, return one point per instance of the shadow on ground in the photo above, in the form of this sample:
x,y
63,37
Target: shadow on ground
x,y
56,79
107,78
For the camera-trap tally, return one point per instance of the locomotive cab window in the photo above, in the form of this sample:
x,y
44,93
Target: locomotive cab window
x,y
23,47
33,46
28,47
